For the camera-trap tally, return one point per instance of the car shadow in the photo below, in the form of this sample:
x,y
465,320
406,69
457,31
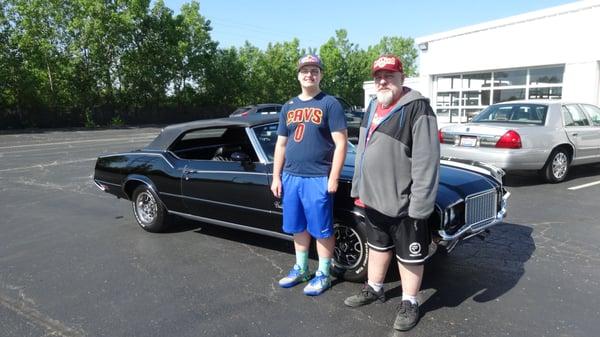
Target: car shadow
x,y
479,269
257,240
531,178
178,225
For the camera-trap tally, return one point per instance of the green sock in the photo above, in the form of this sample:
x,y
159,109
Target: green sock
x,y
324,265
302,259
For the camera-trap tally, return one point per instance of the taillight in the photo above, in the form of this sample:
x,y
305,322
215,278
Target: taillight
x,y
441,136
244,114
510,140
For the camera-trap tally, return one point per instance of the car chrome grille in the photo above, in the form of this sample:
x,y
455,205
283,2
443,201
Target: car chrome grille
x,y
481,208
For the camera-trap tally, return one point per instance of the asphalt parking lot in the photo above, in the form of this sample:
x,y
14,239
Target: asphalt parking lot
x,y
74,263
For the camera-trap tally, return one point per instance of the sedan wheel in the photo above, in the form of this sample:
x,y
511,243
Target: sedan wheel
x,y
148,210
557,167
350,252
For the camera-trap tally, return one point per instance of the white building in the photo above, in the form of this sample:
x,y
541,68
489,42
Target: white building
x,y
551,53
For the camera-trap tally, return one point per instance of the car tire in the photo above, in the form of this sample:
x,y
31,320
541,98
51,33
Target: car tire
x,y
351,252
556,167
149,211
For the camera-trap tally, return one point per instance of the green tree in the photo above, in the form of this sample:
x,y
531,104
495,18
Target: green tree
x,y
195,53
224,85
346,67
278,66
148,66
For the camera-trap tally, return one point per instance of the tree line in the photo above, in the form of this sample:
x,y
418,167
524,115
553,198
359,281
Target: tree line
x,y
113,62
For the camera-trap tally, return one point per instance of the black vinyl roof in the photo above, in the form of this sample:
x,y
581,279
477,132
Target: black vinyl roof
x,y
172,132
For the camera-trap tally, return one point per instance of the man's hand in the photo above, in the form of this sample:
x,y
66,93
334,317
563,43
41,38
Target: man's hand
x,y
276,187
332,185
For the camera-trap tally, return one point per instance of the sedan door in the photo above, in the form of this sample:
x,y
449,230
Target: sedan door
x,y
580,132
593,112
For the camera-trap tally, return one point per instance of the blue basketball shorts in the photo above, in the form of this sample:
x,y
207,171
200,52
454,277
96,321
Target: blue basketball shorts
x,y
307,206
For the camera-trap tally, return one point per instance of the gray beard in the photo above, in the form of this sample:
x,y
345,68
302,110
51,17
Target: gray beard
x,y
385,97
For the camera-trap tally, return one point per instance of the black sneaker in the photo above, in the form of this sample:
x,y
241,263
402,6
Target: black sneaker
x,y
367,295
408,316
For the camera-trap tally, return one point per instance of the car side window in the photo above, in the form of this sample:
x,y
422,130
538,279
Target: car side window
x,y
593,112
213,144
267,137
573,116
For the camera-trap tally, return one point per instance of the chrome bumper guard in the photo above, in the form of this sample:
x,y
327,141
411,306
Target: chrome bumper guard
x,y
473,229
100,186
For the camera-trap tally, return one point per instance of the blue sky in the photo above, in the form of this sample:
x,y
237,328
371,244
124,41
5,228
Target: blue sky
x,y
313,22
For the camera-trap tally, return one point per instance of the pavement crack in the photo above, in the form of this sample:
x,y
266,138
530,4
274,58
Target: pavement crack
x,y
25,307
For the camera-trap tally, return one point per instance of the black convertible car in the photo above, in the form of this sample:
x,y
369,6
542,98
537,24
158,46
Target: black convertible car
x,y
219,171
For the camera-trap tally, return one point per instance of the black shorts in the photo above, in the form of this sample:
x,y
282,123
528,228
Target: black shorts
x,y
409,237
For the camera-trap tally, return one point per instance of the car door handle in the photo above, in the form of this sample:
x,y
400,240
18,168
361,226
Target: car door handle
x,y
575,134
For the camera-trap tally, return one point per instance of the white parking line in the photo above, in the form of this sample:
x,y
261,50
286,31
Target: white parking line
x,y
131,139
56,163
584,186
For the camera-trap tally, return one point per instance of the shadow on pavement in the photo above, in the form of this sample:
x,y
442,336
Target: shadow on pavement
x,y
482,270
530,178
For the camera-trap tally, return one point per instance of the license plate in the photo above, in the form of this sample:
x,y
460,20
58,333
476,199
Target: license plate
x,y
468,141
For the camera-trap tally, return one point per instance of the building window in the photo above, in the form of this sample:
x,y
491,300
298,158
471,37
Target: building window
x,y
468,94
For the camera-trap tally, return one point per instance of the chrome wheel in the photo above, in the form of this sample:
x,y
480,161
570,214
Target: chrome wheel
x,y
146,207
348,252
560,163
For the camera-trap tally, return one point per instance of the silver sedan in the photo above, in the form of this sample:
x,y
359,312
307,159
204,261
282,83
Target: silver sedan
x,y
545,135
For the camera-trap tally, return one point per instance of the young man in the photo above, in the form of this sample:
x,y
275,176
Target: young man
x,y
396,180
312,144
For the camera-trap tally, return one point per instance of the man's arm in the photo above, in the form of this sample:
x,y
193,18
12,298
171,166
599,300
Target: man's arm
x,y
340,139
425,164
278,161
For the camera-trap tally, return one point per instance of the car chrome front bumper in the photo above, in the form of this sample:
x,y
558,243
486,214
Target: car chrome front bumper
x,y
473,229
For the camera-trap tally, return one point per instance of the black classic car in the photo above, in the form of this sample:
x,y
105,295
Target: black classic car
x,y
219,172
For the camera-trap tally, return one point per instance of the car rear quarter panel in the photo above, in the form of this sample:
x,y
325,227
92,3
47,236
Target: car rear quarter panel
x,y
129,170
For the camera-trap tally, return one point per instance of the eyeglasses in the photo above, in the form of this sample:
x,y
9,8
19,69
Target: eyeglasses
x,y
310,71
387,77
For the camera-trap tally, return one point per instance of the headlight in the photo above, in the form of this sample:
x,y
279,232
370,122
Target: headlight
x,y
453,216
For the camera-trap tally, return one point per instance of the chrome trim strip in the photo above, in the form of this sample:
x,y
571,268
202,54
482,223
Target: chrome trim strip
x,y
220,203
225,172
139,154
484,168
235,226
358,214
106,182
262,157
102,188
469,229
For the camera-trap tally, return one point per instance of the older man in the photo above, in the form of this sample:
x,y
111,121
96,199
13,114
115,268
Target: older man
x,y
396,180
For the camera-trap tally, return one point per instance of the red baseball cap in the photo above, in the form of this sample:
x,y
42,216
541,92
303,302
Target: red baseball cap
x,y
387,62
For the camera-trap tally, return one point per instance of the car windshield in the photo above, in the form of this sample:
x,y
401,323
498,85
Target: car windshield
x,y
522,113
267,137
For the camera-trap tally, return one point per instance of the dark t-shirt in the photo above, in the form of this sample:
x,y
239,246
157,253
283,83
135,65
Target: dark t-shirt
x,y
308,126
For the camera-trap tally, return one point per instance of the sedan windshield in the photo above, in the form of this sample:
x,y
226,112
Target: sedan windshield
x,y
522,113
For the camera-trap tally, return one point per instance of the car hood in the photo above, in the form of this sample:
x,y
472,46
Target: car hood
x,y
455,183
